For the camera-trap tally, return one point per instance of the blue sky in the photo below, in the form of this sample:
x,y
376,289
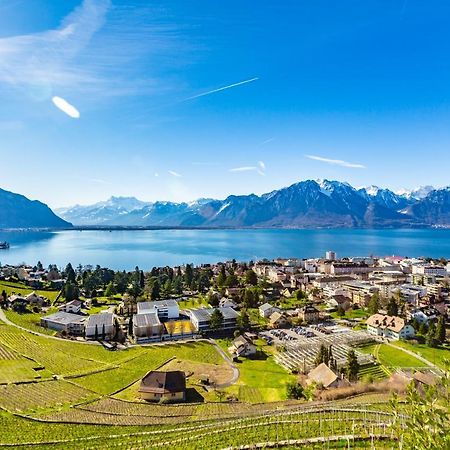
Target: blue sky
x,y
350,90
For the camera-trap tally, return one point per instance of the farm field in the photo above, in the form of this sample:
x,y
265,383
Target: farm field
x,y
214,433
95,391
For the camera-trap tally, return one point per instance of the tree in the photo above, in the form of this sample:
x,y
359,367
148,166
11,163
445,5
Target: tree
x,y
130,326
421,420
294,390
70,291
423,329
440,330
251,277
374,304
216,320
188,275
322,356
96,332
244,320
352,367
431,336
103,332
155,292
340,311
110,290
231,281
221,277
249,299
135,289
70,273
392,307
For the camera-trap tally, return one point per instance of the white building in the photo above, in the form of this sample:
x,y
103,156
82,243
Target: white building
x,y
330,256
65,322
267,310
147,326
165,309
389,327
100,326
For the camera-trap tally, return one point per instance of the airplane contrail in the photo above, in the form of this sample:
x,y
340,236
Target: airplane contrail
x,y
222,88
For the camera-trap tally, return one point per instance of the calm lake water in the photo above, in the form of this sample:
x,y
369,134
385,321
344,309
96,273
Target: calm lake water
x,y
126,249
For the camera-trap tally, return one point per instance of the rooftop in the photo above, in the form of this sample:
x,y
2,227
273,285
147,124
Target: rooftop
x,y
65,318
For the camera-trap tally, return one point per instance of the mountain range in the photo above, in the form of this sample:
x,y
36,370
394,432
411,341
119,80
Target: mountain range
x,y
307,204
17,211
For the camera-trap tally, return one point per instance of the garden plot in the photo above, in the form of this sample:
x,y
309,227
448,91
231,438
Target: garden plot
x,y
301,353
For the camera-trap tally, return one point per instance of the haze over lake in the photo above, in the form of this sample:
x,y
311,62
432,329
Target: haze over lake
x,y
123,250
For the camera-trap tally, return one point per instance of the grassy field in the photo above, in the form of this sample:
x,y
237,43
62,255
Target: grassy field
x,y
261,378
351,314
30,321
436,356
21,289
392,358
74,382
194,302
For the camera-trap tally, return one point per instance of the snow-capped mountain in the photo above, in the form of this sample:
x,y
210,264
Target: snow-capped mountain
x,y
417,193
320,203
386,197
101,213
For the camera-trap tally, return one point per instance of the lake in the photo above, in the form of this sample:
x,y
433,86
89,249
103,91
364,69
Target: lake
x,y
125,249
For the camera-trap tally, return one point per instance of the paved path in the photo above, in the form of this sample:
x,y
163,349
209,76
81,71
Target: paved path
x,y
233,367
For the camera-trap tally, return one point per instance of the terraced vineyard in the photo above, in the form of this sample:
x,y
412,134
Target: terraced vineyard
x,y
60,394
304,426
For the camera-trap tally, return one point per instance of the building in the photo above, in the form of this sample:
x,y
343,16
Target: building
x,y
309,314
277,320
242,347
147,327
165,309
159,386
267,310
389,327
73,307
323,376
330,256
68,323
100,326
200,318
428,270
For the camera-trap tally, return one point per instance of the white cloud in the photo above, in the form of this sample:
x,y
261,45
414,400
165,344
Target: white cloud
x,y
336,162
66,107
42,61
99,49
260,168
174,174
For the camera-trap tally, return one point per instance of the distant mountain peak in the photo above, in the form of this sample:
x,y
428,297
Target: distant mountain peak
x,y
308,203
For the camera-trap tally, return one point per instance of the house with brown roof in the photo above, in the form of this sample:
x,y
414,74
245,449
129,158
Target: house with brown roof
x,y
389,327
242,347
309,314
324,376
163,386
277,320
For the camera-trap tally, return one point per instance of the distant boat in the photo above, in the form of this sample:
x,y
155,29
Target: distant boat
x,y
4,245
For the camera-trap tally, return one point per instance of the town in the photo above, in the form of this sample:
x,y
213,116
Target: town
x,y
239,338
296,305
